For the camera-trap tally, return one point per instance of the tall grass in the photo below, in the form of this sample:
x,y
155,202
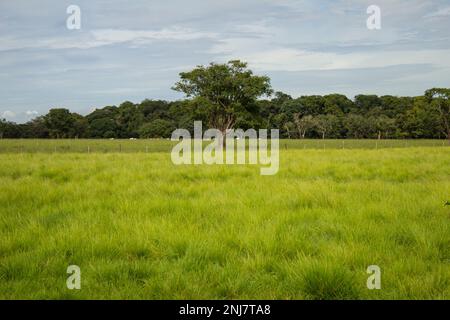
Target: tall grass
x,y
140,227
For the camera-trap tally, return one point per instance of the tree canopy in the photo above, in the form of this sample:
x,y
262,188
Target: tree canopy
x,y
224,92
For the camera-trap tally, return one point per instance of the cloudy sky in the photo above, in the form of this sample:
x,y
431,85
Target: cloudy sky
x,y
132,50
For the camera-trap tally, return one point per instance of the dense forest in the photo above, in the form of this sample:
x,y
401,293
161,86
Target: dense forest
x,y
331,116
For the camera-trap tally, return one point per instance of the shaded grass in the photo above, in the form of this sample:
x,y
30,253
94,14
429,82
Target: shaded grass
x,y
140,227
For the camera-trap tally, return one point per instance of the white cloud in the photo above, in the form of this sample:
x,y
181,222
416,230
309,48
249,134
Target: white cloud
x,y
121,90
31,113
444,12
258,29
104,37
8,114
267,57
119,36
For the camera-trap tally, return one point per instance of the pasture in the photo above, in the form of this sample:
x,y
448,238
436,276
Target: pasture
x,y
140,227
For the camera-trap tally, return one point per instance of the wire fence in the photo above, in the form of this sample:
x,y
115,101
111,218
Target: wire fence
x,y
161,145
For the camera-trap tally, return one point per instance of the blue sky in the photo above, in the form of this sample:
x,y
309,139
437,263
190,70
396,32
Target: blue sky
x,y
132,50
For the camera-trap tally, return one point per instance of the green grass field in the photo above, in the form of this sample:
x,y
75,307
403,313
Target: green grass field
x,y
140,227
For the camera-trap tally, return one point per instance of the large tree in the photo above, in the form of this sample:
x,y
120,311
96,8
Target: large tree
x,y
102,123
158,128
359,127
35,128
303,124
440,98
326,124
129,119
384,126
9,129
59,123
224,92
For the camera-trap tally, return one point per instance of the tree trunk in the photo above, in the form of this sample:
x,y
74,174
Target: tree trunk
x,y
224,139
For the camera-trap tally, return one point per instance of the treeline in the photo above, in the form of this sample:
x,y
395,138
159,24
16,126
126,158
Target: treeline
x,y
331,116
